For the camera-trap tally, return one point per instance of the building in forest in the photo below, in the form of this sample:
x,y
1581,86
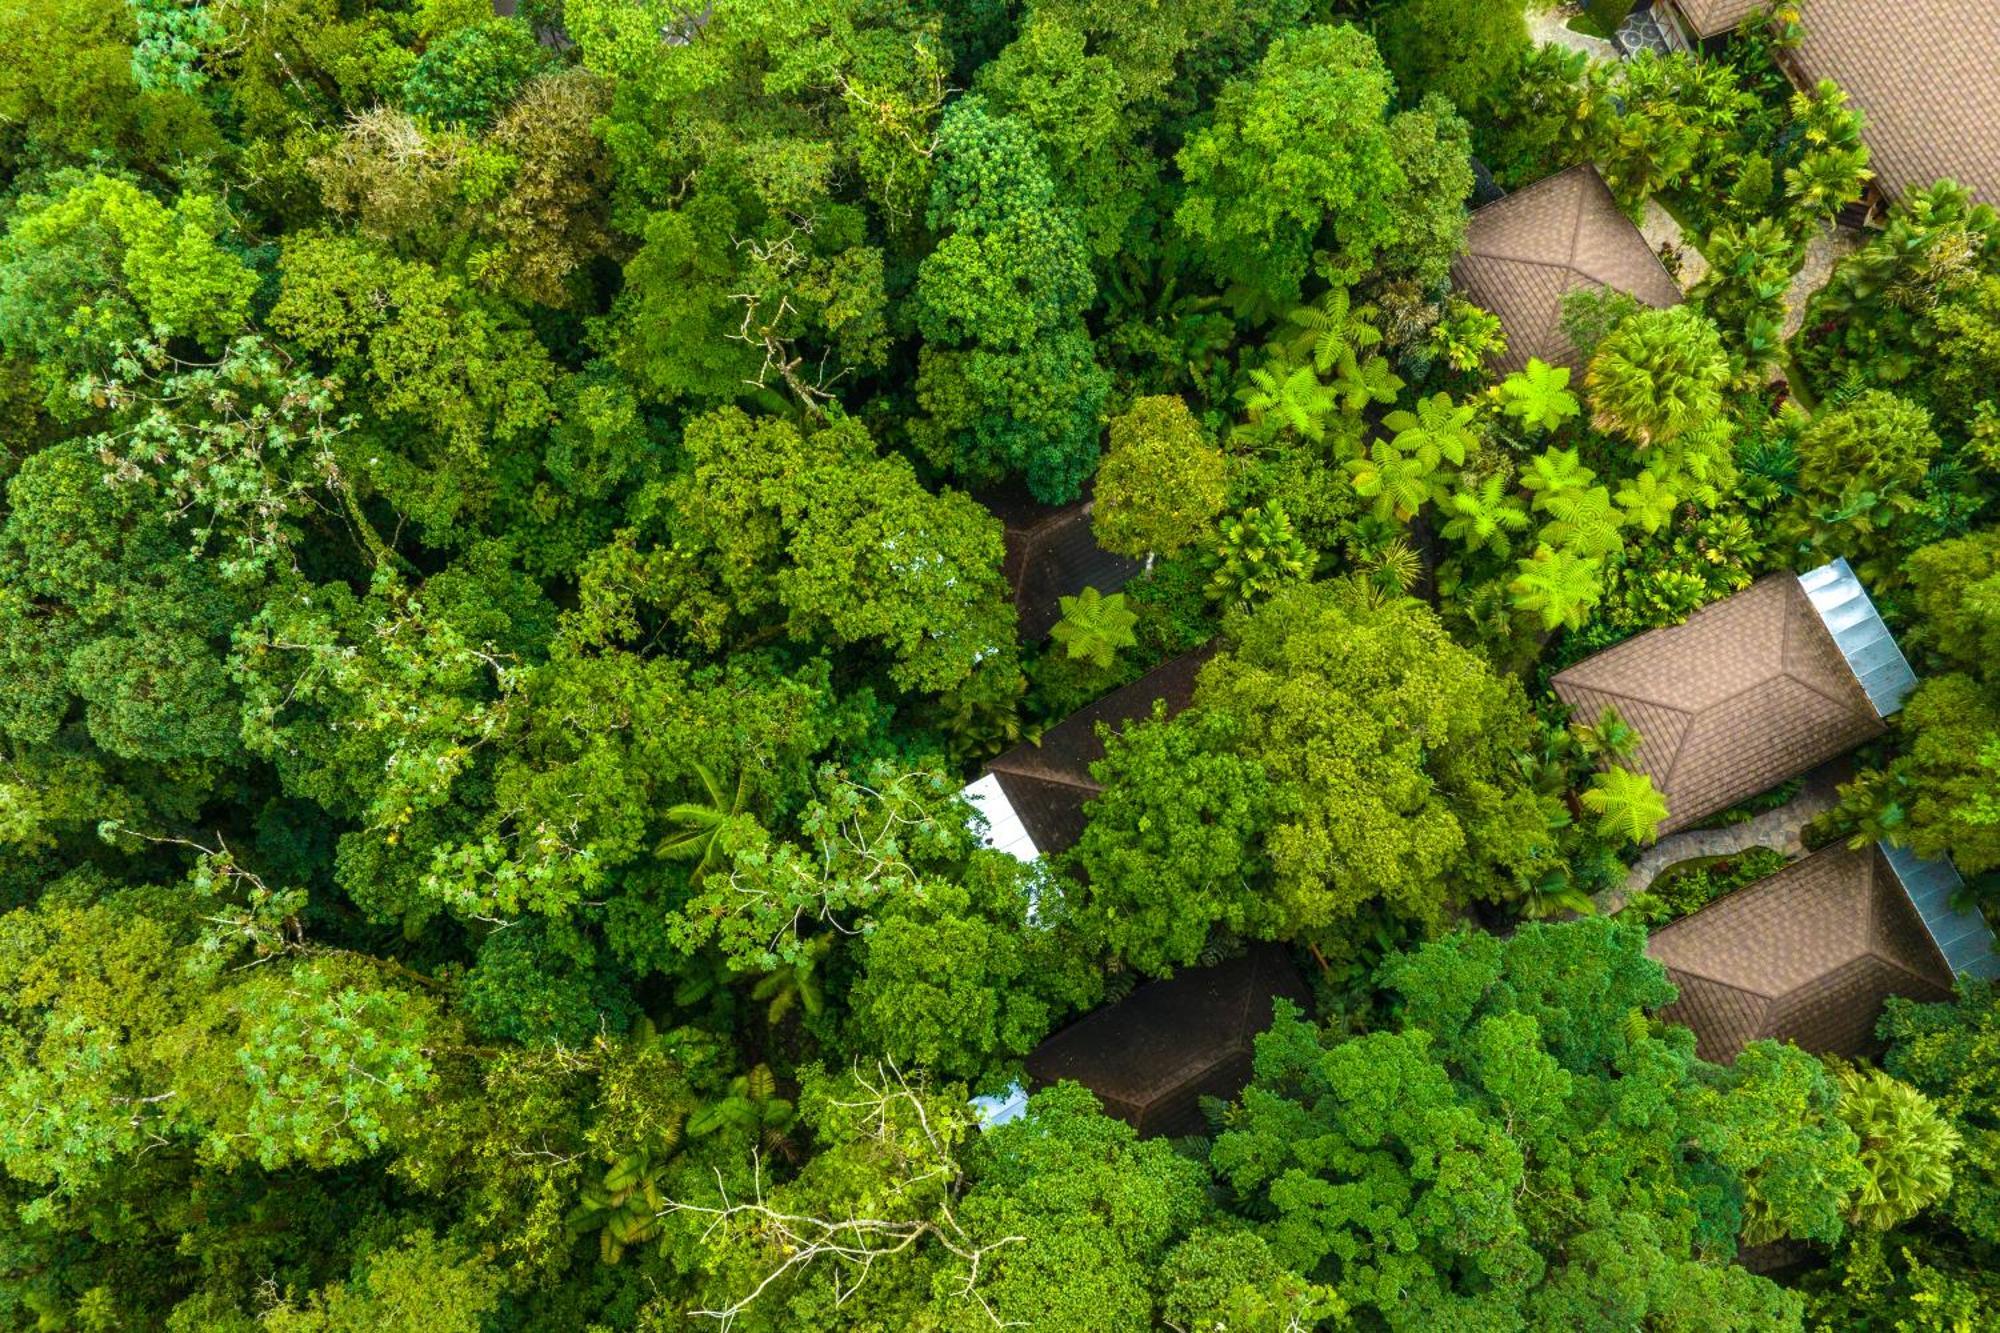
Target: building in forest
x,y
1808,955
1153,1055
1032,797
1923,72
1750,691
1526,252
1052,553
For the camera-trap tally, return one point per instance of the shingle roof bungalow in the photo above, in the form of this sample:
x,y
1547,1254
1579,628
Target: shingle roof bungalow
x,y
1750,691
1153,1055
1926,73
1032,797
1809,954
1526,252
1052,553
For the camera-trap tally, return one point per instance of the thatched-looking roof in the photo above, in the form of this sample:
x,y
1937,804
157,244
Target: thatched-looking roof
x,y
1749,692
1806,956
1528,251
1152,1056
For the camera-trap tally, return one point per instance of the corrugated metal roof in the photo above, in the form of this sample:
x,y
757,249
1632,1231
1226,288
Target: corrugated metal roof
x,y
1871,652
1961,933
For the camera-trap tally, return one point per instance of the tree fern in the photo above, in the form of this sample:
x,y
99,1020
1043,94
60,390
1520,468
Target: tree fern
x,y
1094,627
1627,805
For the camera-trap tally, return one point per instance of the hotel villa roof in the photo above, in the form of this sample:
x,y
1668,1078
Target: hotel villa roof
x,y
1052,554
1045,785
1152,1056
1526,252
1749,692
1807,956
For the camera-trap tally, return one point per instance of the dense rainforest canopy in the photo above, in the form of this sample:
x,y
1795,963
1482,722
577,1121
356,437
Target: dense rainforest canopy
x,y
501,589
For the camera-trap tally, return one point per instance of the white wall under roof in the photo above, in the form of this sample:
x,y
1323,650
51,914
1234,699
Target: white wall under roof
x,y
1004,831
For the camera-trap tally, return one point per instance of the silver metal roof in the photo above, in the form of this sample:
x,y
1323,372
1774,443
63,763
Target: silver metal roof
x,y
1865,642
1961,933
998,1110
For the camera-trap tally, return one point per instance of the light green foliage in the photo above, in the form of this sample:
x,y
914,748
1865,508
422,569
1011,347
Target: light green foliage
x,y
836,540
1557,587
420,1282
1774,1122
430,349
1387,748
1862,466
1907,1147
1094,628
1833,169
1484,517
1162,483
1749,277
1299,151
1659,122
89,272
1659,375
954,977
1256,554
1509,1149
1627,806
1174,844
1538,396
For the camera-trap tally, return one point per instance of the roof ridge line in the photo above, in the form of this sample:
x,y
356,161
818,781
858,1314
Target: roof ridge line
x,y
1716,981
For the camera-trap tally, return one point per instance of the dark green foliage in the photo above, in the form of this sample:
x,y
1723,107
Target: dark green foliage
x,y
510,537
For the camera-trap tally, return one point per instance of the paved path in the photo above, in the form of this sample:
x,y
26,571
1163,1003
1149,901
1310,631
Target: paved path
x,y
1824,249
1550,27
1778,829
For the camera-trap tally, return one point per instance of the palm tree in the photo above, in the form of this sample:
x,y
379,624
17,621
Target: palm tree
x,y
1627,805
1400,484
1372,381
1482,518
703,822
1907,1146
1610,737
1094,627
1439,428
1584,522
1538,395
1333,331
1557,587
1646,502
1283,397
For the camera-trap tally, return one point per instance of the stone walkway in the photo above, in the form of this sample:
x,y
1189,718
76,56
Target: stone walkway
x,y
1778,829
1664,234
1550,27
1641,31
1828,246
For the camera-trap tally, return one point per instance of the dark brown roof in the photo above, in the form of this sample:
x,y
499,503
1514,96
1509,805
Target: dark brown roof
x,y
1806,956
1750,691
1151,1057
1048,783
1711,18
1052,554
1926,73
1526,252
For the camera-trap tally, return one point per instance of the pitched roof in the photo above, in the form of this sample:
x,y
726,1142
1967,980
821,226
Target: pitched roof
x,y
1927,75
1750,691
1052,554
1046,784
1152,1056
1527,251
1806,956
1711,18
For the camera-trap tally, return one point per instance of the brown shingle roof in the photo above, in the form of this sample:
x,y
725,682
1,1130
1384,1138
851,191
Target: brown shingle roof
x,y
1926,73
1750,691
1152,1056
1048,783
1526,252
1710,18
1806,956
1052,554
